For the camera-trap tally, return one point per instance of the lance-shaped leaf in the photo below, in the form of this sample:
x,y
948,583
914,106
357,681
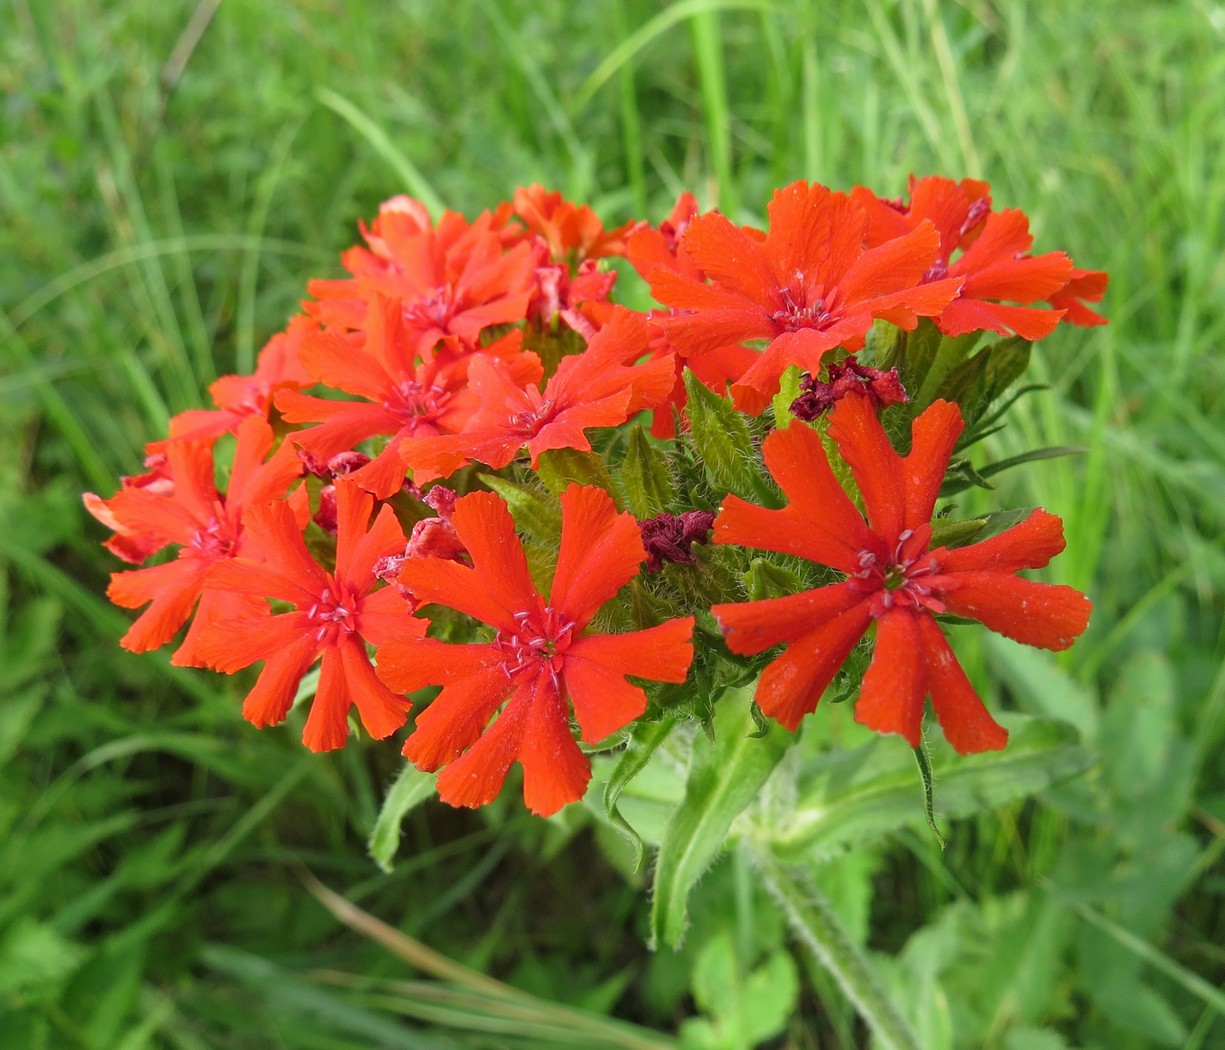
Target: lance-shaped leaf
x,y
411,788
562,467
644,738
537,512
724,777
848,798
978,381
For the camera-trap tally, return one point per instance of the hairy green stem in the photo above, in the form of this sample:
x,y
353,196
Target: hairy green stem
x,y
815,922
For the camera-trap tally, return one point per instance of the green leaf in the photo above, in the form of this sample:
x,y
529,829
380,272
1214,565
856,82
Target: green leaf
x,y
644,738
34,958
978,381
788,391
1141,724
722,438
724,777
561,467
411,788
815,922
849,798
947,533
1052,452
927,357
746,1008
536,512
646,477
1042,685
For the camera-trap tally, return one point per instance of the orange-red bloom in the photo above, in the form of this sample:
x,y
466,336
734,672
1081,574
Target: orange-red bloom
x,y
992,261
573,231
892,579
454,280
334,615
403,396
209,528
540,663
601,387
808,287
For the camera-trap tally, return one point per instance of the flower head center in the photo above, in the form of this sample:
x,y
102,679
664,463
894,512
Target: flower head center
x,y
214,540
900,580
539,640
434,310
332,616
415,403
529,421
798,310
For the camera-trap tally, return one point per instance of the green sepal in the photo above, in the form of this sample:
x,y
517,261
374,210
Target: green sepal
x,y
725,443
411,788
976,382
641,744
536,512
646,477
724,778
766,579
954,534
928,357
788,391
561,467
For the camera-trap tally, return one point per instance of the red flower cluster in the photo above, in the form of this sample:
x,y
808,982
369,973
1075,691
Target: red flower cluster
x,y
832,264
494,341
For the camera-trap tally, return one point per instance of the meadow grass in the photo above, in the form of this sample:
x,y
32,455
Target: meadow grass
x,y
170,177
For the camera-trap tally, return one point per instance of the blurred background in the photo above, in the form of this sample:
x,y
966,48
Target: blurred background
x,y
171,174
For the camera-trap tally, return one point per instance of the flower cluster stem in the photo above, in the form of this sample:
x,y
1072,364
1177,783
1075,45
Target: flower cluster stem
x,y
815,922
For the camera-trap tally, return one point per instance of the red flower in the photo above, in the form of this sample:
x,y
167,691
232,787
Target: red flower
x,y
573,231
334,615
993,262
402,395
209,528
892,578
539,663
808,287
454,280
601,387
133,543
1086,285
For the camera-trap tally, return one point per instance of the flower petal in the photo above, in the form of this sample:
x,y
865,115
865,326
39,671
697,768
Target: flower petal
x,y
269,702
600,552
555,771
932,438
753,627
1047,615
382,712
967,724
327,725
475,778
879,471
891,699
791,686
456,718
1029,545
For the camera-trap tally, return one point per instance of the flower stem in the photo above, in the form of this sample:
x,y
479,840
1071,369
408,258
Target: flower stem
x,y
815,922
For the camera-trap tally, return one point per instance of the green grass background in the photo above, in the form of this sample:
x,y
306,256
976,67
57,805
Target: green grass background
x,y
170,176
